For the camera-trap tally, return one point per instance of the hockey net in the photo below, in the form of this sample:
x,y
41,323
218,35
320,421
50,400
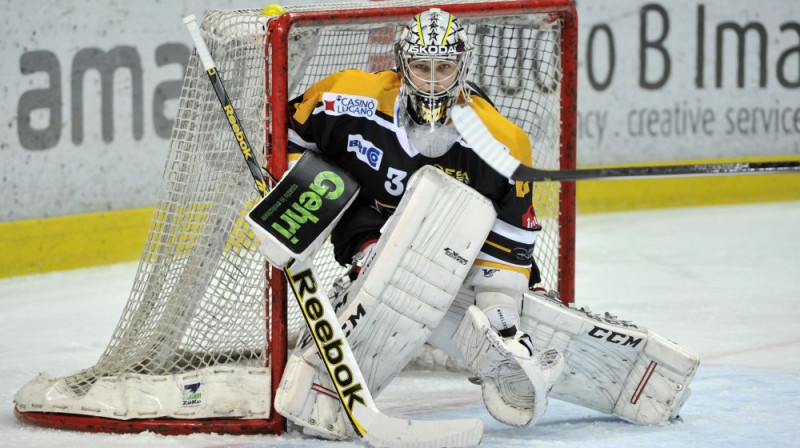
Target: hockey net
x,y
202,341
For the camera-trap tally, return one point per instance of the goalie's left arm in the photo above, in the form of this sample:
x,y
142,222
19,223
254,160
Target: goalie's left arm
x,y
509,246
515,376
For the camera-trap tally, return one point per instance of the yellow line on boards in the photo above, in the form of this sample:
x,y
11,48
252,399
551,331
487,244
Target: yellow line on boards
x,y
74,241
77,241
598,196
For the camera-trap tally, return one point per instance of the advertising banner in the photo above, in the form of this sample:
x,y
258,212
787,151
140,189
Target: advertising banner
x,y
90,91
688,79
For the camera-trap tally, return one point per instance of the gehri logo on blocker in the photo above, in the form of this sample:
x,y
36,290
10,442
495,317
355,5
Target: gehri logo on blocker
x,y
365,150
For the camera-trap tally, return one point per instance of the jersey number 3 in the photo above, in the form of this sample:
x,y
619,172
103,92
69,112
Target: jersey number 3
x,y
394,186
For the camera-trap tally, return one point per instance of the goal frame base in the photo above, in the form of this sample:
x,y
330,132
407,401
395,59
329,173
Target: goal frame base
x,y
162,426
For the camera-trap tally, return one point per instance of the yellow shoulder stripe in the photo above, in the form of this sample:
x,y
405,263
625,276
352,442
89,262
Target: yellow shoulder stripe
x,y
526,271
506,132
383,86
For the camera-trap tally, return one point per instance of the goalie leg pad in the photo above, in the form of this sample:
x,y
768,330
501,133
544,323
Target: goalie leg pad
x,y
514,383
467,296
612,366
307,397
405,287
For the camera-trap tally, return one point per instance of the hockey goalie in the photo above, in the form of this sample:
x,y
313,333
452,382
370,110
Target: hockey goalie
x,y
440,251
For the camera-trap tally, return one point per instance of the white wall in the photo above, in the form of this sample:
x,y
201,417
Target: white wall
x,y
68,145
670,80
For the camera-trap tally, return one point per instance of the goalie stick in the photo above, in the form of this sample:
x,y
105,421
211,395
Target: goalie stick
x,y
369,422
470,126
227,105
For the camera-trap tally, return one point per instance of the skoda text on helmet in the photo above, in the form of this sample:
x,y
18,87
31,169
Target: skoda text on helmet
x,y
433,57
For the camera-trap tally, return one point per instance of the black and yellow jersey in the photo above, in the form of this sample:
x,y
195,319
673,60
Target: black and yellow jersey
x,y
354,119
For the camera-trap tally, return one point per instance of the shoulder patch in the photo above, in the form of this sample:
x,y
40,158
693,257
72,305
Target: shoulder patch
x,y
349,92
354,105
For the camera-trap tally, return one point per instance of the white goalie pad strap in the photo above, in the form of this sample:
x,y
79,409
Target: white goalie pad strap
x,y
611,366
405,287
514,384
307,397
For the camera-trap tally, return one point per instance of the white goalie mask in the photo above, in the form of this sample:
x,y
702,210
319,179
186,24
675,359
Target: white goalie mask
x,y
433,58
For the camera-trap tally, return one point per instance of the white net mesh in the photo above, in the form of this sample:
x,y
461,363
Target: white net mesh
x,y
198,299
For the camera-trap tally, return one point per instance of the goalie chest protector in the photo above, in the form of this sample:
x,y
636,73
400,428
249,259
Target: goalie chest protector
x,y
296,217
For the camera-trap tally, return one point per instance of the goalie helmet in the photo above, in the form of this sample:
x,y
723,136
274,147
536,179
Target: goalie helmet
x,y
433,58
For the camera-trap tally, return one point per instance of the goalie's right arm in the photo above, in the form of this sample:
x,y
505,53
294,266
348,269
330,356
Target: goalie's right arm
x,y
296,217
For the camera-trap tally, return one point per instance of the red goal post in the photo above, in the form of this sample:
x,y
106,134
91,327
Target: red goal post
x,y
206,328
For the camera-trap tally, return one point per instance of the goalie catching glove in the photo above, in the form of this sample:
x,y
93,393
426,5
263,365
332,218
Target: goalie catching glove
x,y
515,379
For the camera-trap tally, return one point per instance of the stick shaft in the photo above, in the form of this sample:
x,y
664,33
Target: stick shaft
x,y
227,105
302,278
526,173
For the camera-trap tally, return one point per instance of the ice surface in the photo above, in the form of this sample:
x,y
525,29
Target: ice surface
x,y
724,281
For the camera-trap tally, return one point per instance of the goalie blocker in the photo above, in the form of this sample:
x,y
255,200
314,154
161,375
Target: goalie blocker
x,y
296,217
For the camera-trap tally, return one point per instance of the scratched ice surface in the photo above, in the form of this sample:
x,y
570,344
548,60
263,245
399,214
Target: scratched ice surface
x,y
720,280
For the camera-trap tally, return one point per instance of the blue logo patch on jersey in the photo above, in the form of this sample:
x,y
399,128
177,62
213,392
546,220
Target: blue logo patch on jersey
x,y
365,151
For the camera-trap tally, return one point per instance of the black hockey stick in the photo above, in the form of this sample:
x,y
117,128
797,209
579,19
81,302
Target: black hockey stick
x,y
481,141
227,106
369,422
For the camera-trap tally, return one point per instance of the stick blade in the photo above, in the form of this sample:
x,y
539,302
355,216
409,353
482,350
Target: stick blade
x,y
481,141
393,432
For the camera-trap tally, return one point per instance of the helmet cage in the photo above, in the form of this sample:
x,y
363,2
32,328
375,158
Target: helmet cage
x,y
435,40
